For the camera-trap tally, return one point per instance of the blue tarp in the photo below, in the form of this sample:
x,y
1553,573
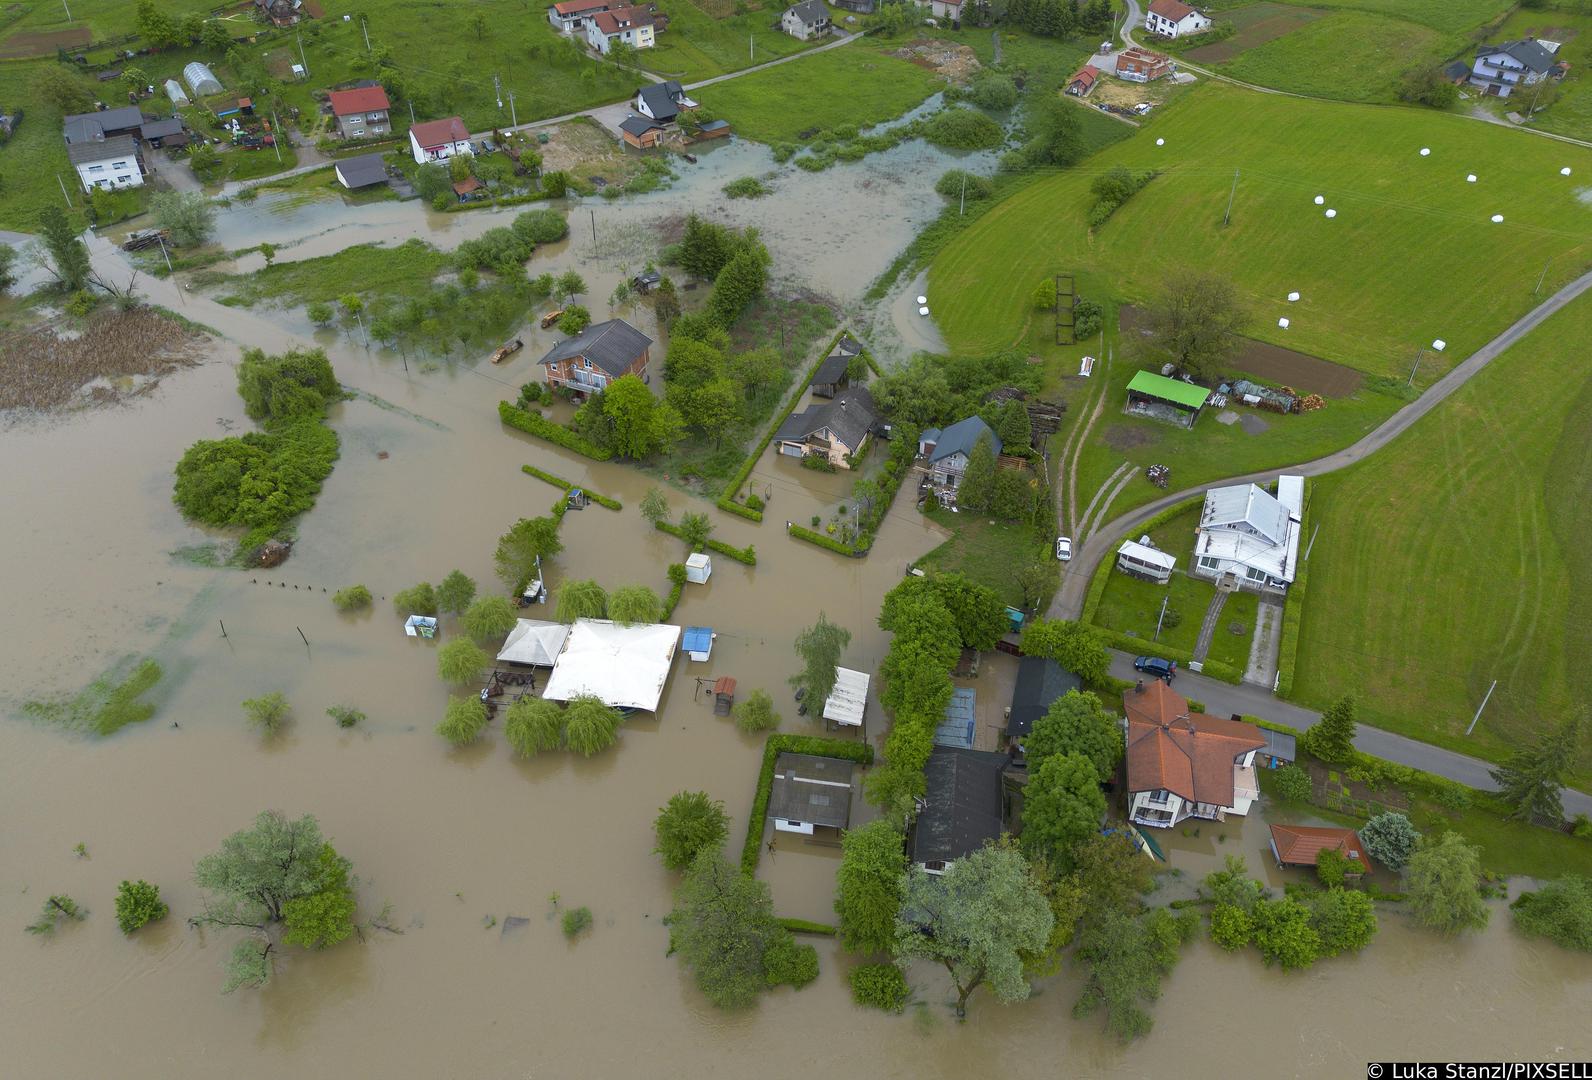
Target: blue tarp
x,y
956,730
698,639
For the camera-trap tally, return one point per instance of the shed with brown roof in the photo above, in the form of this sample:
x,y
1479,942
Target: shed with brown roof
x,y
1302,845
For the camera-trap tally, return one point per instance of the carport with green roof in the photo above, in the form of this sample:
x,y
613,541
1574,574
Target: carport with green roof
x,y
1161,398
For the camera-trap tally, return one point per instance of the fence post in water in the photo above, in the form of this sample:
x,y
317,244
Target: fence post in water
x,y
306,641
223,628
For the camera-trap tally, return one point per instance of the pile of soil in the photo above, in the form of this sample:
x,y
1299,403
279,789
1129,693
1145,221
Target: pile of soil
x,y
957,63
117,354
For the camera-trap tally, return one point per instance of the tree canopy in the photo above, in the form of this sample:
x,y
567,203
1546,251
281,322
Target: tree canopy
x,y
455,592
463,720
1072,645
1076,723
584,599
534,724
819,647
1062,806
1390,839
590,727
873,862
721,925
489,617
631,604
977,919
1560,911
519,548
1531,781
1332,737
1443,881
687,825
1197,320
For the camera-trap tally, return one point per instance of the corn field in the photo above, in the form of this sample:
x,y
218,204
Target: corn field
x,y
41,369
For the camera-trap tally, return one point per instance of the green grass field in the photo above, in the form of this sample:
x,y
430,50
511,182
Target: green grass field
x,y
699,46
850,85
1455,556
1451,15
1348,55
984,550
107,18
1393,271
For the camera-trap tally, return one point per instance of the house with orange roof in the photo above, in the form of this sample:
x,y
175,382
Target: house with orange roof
x,y
1302,845
569,16
1182,764
1173,18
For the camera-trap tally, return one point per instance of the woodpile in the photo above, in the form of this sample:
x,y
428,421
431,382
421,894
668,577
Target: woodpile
x,y
1312,402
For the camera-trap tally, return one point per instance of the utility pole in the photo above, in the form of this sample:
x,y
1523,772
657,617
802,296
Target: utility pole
x,y
1227,217
1313,534
594,230
366,30
1415,367
751,46
1542,275
302,59
514,118
68,11
497,89
64,195
962,210
1480,707
366,337
276,138
1160,618
411,114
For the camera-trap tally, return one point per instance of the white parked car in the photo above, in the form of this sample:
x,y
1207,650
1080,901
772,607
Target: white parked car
x,y
1064,548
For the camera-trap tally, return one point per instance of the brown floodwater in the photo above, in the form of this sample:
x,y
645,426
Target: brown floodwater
x,y
453,840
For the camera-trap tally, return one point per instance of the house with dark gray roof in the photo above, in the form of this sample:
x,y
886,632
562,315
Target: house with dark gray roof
x,y
837,430
946,453
596,356
962,809
1499,69
110,164
810,793
362,171
168,132
806,20
655,101
641,131
1040,681
831,378
102,125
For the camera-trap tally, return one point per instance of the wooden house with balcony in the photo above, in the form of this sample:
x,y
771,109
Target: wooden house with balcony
x,y
1182,764
597,356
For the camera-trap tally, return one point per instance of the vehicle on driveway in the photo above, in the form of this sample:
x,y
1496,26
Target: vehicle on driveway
x,y
1154,665
1064,548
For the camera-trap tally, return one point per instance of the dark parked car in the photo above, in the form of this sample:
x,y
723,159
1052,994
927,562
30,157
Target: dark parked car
x,y
1154,665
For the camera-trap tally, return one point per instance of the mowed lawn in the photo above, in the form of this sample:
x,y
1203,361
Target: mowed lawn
x,y
849,85
1394,270
1457,555
699,45
1348,55
1450,15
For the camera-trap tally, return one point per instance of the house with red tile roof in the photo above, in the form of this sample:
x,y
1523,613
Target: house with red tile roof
x,y
438,140
1182,764
570,16
361,111
1083,81
633,26
1302,845
1173,18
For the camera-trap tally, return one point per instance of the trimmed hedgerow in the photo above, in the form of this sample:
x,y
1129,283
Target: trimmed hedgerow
x,y
560,482
801,532
538,425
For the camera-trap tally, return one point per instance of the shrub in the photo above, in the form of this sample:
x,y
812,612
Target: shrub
x,y
963,129
489,617
747,187
1293,784
353,598
80,303
455,592
754,501
756,713
992,90
1583,827
345,715
461,661
1332,867
542,428
1390,839
267,712
881,986
1560,911
687,825
1086,318
576,921
464,720
956,184
787,963
1231,927
138,903
541,226
574,320
417,600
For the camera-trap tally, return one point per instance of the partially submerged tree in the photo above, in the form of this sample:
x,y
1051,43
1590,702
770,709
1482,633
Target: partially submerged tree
x,y
188,216
464,720
137,904
695,529
455,592
534,724
489,617
590,726
755,713
1443,881
819,647
687,825
1197,321
275,876
654,506
1560,911
69,260
56,908
1531,781
417,600
1127,953
630,604
461,661
268,712
582,600
868,885
519,548
722,924
977,919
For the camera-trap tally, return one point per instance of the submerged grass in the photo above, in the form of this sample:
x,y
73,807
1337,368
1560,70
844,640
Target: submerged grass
x,y
106,705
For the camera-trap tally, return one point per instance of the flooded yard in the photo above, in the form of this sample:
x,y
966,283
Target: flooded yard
x,y
458,841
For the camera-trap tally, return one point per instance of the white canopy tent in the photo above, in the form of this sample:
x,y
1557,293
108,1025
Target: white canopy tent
x,y
533,641
623,666
849,699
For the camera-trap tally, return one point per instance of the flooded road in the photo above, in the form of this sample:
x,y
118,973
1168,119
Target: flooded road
x,y
427,481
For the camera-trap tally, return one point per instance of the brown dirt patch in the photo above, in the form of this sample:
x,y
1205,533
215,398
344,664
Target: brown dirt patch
x,y
583,149
26,43
1123,439
958,63
1257,24
1273,363
116,355
1113,91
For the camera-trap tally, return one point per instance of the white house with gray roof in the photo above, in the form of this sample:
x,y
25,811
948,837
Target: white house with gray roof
x,y
806,20
111,164
1251,537
946,453
1498,69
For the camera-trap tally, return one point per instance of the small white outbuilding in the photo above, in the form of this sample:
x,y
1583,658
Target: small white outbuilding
x,y
698,568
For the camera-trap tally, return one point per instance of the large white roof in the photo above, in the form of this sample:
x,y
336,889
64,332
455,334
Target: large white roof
x,y
534,642
1245,504
848,699
626,667
1148,555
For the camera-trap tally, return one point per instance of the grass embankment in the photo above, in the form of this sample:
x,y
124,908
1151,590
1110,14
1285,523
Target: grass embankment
x,y
1451,15
850,85
707,40
1394,270
1456,556
403,271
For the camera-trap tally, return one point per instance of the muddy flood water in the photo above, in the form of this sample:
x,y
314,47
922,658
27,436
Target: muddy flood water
x,y
459,841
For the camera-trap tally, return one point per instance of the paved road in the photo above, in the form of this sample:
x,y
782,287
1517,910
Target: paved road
x,y
1224,699
1135,20
1068,603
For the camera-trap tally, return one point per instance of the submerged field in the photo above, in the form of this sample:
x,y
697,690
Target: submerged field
x,y
1455,556
1395,269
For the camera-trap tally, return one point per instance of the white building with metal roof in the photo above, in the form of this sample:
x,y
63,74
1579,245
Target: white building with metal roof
x,y
1250,536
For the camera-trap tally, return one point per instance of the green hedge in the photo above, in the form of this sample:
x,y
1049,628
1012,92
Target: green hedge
x,y
535,424
1293,612
673,601
801,532
805,926
1141,647
861,752
1392,771
747,554
733,488
504,200
560,482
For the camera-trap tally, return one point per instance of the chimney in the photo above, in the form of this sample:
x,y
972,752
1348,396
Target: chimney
x,y
1139,689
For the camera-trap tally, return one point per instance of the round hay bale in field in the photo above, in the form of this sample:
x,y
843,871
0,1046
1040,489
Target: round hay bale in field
x,y
1320,199
1332,213
1283,323
1292,297
1470,178
1160,142
1497,218
1439,345
1426,151
1565,171
271,553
